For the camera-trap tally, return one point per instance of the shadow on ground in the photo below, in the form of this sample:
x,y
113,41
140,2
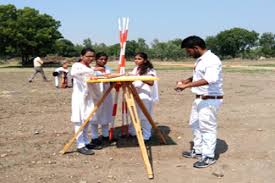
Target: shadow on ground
x,y
221,147
128,141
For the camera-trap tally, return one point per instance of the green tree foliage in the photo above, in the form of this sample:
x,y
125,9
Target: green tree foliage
x,y
25,32
170,50
212,44
78,48
87,43
101,47
8,30
233,42
142,46
267,43
66,48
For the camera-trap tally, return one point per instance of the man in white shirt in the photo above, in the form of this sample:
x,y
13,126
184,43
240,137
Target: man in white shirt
x,y
37,64
206,83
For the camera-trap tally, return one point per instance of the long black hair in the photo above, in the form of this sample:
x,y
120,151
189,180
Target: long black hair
x,y
84,51
146,66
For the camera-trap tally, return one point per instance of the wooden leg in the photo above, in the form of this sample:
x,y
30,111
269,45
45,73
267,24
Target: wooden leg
x,y
145,112
136,122
69,144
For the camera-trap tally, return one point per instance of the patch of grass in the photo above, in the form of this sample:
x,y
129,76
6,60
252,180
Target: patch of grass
x,y
246,70
169,68
265,65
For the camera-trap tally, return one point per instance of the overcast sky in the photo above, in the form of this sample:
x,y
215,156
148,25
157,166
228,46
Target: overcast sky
x,y
150,19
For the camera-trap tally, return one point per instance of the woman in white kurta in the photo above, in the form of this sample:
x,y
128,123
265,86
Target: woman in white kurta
x,y
147,90
104,112
83,97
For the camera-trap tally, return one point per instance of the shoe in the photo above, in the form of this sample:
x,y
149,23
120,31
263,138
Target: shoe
x,y
30,81
90,146
204,162
105,140
191,154
147,141
85,151
96,143
132,136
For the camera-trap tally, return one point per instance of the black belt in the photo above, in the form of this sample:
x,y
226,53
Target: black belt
x,y
205,97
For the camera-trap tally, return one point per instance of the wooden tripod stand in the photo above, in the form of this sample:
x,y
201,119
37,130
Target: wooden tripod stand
x,y
131,97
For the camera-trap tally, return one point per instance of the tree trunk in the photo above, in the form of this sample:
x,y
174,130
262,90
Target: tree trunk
x,y
25,60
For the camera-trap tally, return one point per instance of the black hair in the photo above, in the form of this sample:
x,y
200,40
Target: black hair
x,y
85,50
146,66
101,54
192,41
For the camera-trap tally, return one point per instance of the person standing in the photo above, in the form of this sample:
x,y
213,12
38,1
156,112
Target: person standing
x,y
37,64
60,74
147,91
84,97
104,112
207,85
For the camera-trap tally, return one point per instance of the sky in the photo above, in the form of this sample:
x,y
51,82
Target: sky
x,y
153,19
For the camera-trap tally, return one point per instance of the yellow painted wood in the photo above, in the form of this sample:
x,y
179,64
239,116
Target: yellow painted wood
x,y
122,78
86,122
136,122
145,111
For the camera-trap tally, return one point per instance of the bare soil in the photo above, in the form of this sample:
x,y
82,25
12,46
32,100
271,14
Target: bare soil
x,y
35,125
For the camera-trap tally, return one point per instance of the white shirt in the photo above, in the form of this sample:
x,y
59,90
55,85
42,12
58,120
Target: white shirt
x,y
145,91
61,69
104,112
37,62
108,70
208,67
84,95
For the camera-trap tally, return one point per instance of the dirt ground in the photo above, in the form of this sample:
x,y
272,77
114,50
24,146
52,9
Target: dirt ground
x,y
35,125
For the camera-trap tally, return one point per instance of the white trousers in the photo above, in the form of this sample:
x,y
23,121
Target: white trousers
x,y
82,139
94,130
56,81
145,125
203,120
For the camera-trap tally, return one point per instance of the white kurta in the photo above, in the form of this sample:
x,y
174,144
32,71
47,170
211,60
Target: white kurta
x,y
148,94
104,112
84,95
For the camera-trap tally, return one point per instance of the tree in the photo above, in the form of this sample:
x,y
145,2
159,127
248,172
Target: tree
x,y
170,50
142,46
158,49
87,43
64,47
235,41
212,44
114,50
8,30
174,50
267,43
101,48
78,48
25,32
131,48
